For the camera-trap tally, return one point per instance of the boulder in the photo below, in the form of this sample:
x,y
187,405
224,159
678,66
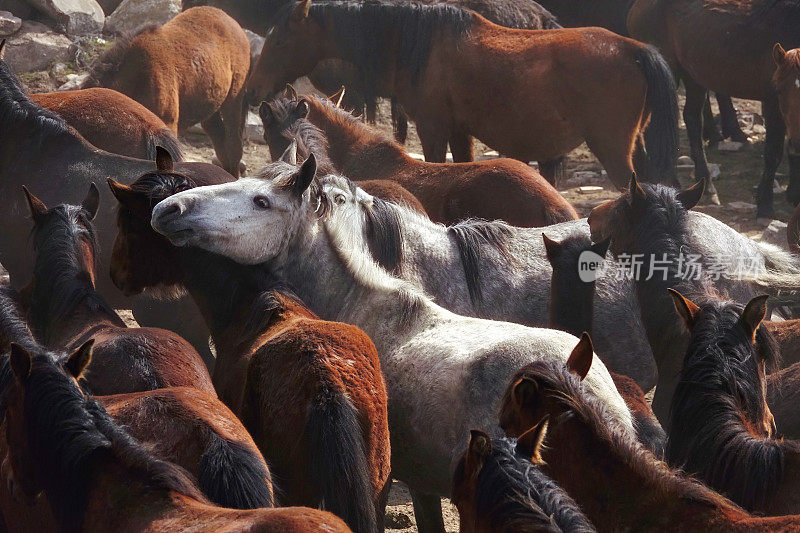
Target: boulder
x,y
254,128
35,47
20,8
131,15
9,23
74,82
78,17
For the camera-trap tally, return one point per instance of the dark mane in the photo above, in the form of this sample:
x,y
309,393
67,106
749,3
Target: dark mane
x,y
60,281
592,411
518,14
110,61
384,234
719,389
470,237
571,299
70,435
160,185
13,327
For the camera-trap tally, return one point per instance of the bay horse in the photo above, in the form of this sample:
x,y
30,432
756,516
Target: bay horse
x,y
189,79
309,391
498,486
97,477
450,192
571,305
721,424
67,312
42,151
453,97
617,483
459,362
734,48
112,122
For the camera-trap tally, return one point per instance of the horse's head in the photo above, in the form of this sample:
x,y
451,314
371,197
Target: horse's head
x,y
617,219
280,119
250,221
294,45
786,81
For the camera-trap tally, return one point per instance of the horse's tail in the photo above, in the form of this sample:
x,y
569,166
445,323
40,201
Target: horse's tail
x,y
399,122
661,137
337,463
234,476
167,140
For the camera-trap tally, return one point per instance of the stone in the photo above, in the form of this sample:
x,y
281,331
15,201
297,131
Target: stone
x,y
34,47
20,8
741,206
74,82
714,169
775,233
9,24
256,44
254,128
589,189
131,15
730,146
685,160
397,520
77,17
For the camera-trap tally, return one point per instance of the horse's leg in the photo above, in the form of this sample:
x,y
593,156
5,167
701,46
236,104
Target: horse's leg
x,y
552,170
793,190
433,140
641,162
773,154
234,116
380,505
428,512
710,131
729,120
399,122
461,146
215,130
692,116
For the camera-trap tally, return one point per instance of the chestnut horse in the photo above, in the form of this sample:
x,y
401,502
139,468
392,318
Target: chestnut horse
x,y
731,47
530,94
498,486
67,312
194,70
112,122
310,392
450,192
97,477
571,305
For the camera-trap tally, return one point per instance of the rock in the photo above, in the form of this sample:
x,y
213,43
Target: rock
x,y
254,128
74,82
775,233
583,177
20,8
35,47
729,146
131,15
256,44
741,206
715,170
685,160
397,520
589,189
78,17
9,23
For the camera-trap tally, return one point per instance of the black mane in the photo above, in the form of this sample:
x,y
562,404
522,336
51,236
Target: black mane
x,y
720,389
471,236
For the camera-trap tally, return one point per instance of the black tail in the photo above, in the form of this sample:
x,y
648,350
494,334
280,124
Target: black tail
x,y
338,461
232,476
167,140
661,138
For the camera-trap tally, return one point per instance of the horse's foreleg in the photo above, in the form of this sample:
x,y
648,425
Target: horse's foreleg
x,y
461,146
428,512
234,117
729,120
433,140
710,131
692,116
773,154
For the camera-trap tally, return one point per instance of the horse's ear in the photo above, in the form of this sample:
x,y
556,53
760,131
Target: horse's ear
x,y
686,308
91,202
530,443
637,193
580,360
2,48
305,175
163,160
754,312
265,112
300,12
778,54
38,209
302,109
290,92
601,248
691,196
78,360
336,98
290,154
124,194
551,247
524,391
20,361
478,449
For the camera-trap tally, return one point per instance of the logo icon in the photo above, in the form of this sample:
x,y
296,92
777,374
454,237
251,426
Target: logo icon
x,y
589,266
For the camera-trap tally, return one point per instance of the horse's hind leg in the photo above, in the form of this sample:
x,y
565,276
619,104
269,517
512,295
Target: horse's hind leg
x,y
427,512
234,116
729,121
553,170
710,131
692,116
461,146
773,154
433,140
641,161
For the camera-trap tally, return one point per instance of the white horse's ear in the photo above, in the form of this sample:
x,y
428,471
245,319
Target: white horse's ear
x,y
290,154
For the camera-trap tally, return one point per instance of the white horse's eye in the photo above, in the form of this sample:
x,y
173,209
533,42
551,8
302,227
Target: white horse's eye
x,y
339,199
262,202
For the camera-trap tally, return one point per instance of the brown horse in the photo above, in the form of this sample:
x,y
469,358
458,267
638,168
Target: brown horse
x,y
195,67
730,46
617,483
67,312
499,83
112,122
496,189
310,392
97,477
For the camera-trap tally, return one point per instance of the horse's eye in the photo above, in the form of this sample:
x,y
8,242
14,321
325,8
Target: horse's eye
x,y
261,202
339,199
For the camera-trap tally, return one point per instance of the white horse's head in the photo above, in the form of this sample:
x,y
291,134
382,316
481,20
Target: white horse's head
x,y
250,220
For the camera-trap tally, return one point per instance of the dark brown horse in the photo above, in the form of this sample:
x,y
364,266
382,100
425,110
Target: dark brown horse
x,y
496,189
112,122
730,47
97,477
195,67
67,312
557,78
310,392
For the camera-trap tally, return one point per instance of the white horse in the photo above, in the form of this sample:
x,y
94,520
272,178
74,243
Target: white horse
x,y
445,373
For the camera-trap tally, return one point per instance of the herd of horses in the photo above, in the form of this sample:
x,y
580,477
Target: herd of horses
x,y
376,317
